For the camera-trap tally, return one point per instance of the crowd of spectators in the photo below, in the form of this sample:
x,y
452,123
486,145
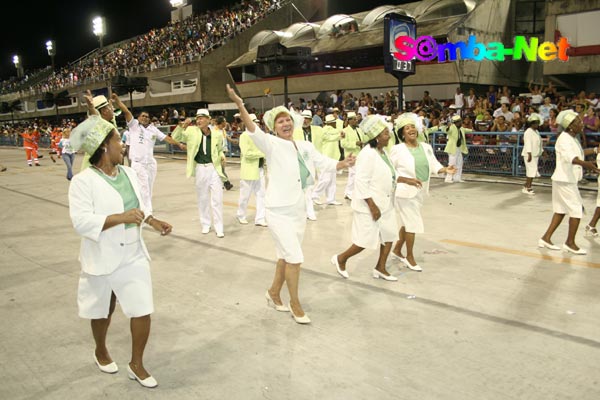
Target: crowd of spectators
x,y
177,43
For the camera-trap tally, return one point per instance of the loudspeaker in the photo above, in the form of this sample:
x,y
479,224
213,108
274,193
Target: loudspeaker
x,y
122,84
268,69
270,50
298,51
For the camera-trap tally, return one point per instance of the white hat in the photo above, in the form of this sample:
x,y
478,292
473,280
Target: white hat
x,y
307,114
372,126
329,119
452,107
202,112
236,115
351,114
535,117
336,109
99,102
253,118
564,118
456,118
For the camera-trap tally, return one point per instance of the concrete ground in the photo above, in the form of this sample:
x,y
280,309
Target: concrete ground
x,y
490,317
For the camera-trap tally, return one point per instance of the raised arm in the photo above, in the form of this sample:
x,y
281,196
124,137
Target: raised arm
x,y
117,101
244,115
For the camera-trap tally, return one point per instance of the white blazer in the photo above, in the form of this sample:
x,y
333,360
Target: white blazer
x,y
91,201
532,143
404,163
566,149
374,180
284,186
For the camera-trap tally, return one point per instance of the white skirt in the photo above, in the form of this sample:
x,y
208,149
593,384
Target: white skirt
x,y
566,199
287,226
131,282
531,168
408,212
370,234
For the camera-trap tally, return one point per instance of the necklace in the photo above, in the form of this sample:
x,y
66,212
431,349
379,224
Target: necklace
x,y
114,174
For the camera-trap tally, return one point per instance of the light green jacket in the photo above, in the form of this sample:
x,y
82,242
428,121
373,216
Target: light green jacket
x,y
192,137
316,133
250,158
331,142
452,139
349,141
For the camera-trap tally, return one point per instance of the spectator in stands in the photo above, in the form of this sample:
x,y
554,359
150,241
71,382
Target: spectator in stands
x,y
471,99
317,118
491,96
501,125
570,162
504,111
591,124
517,122
532,151
107,210
291,168
373,224
363,110
204,157
552,125
459,101
550,91
536,95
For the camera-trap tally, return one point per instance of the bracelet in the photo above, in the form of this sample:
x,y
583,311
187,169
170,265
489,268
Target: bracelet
x,y
149,219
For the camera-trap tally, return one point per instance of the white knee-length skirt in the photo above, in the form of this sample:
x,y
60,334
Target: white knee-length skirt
x,y
287,226
566,199
370,234
408,212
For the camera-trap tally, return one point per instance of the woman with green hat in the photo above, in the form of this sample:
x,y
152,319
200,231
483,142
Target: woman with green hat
x,y
414,162
291,169
373,223
107,210
570,161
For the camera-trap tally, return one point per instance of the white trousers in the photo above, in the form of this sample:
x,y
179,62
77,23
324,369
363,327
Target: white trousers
x,y
247,188
326,184
310,208
146,173
350,183
209,189
455,159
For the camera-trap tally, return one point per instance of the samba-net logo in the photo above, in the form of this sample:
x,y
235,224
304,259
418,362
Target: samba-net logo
x,y
425,48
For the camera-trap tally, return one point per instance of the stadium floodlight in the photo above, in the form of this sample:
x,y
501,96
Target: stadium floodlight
x,y
18,66
51,47
178,3
99,28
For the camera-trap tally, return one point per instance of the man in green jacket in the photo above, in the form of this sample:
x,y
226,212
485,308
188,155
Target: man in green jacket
x,y
352,143
331,149
456,146
204,157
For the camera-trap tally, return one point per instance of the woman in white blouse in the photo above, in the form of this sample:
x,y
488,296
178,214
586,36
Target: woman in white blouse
x,y
414,162
532,150
373,222
291,168
570,161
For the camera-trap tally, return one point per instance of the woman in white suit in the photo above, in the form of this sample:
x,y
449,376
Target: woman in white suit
x,y
291,169
106,208
414,162
373,222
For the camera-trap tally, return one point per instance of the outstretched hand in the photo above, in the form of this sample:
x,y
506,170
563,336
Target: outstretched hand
x,y
233,95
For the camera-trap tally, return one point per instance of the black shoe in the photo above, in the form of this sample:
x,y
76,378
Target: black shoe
x,y
228,185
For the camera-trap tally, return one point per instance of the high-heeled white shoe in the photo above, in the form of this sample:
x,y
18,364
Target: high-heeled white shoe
x,y
569,249
300,320
590,231
334,261
377,275
542,243
111,368
271,303
149,382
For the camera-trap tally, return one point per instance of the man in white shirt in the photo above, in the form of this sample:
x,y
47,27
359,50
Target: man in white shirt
x,y
140,150
459,100
504,111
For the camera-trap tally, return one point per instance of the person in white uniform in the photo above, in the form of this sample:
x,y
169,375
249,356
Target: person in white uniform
x,y
373,222
414,162
590,229
330,148
570,162
291,167
532,151
352,143
107,209
204,156
252,178
141,137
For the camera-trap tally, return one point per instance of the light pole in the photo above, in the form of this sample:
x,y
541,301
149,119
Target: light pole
x,y
51,47
178,4
18,66
99,28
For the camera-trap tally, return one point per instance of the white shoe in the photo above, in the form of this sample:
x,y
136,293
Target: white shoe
x,y
449,181
242,220
311,217
542,243
271,303
334,261
568,249
401,259
590,231
348,197
261,223
334,203
111,368
317,202
377,275
415,267
149,382
205,229
530,192
299,320
220,235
